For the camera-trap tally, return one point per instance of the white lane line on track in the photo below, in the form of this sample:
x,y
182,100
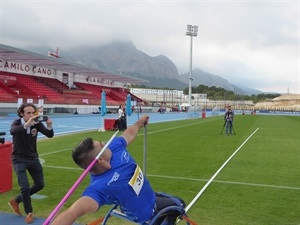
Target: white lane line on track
x,y
173,128
226,182
63,167
50,153
195,179
218,171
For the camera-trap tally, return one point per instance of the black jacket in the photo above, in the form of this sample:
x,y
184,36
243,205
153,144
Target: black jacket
x,y
25,140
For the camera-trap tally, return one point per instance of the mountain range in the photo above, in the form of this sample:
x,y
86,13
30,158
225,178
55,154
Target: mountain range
x,y
126,59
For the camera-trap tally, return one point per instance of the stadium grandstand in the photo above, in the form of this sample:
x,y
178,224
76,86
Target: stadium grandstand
x,y
62,86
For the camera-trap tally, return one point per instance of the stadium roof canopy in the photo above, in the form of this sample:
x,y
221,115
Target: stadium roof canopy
x,y
25,57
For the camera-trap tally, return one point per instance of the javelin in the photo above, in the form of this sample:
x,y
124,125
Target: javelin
x,y
75,185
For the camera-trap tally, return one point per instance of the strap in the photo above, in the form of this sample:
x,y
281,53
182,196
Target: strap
x,y
96,222
189,220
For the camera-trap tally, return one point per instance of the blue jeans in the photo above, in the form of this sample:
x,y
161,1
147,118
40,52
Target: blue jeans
x,y
228,127
35,170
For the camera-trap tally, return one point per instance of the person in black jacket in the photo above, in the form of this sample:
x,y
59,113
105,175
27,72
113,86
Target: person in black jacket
x,y
25,158
228,117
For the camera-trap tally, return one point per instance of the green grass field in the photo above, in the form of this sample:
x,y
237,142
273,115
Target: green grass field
x,y
259,185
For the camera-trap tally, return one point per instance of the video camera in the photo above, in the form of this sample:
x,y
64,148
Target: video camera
x,y
41,119
229,113
2,139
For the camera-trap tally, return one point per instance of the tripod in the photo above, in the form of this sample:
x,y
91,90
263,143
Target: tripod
x,y
231,126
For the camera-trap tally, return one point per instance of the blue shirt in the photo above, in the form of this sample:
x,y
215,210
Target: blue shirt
x,y
113,187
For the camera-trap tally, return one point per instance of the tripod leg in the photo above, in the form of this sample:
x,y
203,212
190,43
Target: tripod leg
x,y
232,129
223,128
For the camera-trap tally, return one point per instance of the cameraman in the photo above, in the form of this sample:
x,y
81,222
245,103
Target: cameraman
x,y
24,133
228,117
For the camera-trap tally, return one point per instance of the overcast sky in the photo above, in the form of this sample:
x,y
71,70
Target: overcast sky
x,y
253,43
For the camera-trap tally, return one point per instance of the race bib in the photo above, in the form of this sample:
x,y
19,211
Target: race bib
x,y
137,180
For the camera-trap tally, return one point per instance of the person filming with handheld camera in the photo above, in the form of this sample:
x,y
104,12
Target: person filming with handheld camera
x,y
25,157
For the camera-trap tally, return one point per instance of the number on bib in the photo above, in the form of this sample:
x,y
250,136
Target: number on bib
x,y
137,180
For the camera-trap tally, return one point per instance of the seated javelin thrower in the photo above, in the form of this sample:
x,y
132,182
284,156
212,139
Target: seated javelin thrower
x,y
117,179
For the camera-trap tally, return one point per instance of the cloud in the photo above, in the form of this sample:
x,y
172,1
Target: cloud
x,y
248,41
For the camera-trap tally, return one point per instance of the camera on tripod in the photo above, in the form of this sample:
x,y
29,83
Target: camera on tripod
x,y
2,139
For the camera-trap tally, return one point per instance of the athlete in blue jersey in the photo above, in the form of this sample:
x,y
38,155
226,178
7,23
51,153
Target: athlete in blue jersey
x,y
115,179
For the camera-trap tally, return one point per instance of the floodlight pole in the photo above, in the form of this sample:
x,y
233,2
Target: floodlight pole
x,y
192,31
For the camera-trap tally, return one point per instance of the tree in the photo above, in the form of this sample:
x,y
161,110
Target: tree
x,y
218,93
